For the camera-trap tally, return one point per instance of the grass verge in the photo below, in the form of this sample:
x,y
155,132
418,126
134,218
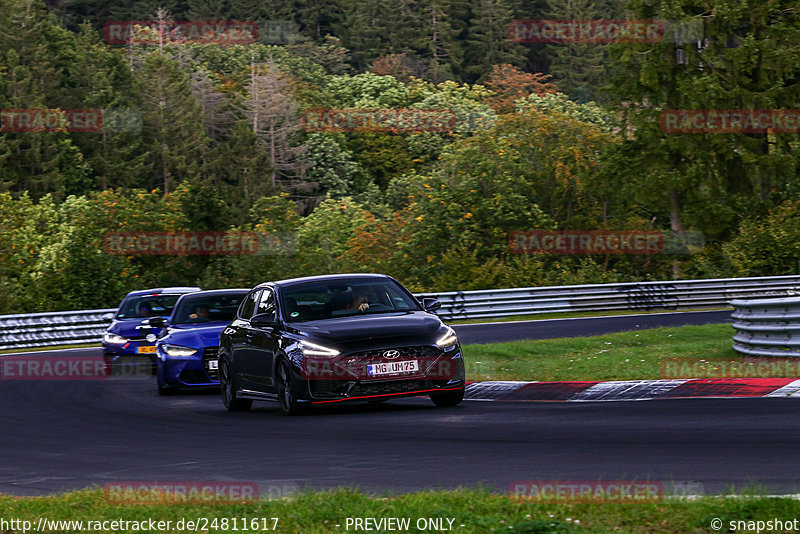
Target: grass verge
x,y
635,355
476,509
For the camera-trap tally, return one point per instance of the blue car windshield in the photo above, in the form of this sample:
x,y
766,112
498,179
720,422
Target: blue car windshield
x,y
339,298
143,306
207,308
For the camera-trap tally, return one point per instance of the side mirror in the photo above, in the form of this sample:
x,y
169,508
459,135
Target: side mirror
x,y
263,320
429,304
157,322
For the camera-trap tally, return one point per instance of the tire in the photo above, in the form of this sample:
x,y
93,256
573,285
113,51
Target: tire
x,y
163,389
228,390
448,398
287,389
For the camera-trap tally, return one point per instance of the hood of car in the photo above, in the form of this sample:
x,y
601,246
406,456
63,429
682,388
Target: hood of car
x,y
407,328
129,327
194,335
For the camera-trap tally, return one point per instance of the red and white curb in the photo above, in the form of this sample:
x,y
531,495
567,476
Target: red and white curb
x,y
632,390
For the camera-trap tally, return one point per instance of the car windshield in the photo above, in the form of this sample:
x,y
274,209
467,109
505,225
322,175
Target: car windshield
x,y
339,298
143,306
207,308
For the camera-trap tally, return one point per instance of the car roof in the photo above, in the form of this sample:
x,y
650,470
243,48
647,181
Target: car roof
x,y
212,292
323,278
163,291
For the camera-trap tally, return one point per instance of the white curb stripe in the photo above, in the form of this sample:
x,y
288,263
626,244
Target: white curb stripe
x,y
789,390
489,391
629,390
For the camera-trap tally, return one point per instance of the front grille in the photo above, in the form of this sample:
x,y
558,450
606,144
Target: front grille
x,y
429,360
193,376
209,354
328,388
384,388
321,389
376,356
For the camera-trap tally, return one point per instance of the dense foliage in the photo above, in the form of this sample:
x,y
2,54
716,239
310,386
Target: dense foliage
x,y
203,137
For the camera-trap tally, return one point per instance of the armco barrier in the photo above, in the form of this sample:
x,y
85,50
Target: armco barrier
x,y
672,295
767,327
72,327
53,328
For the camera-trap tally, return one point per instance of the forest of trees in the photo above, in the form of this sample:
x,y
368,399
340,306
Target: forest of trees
x,y
209,137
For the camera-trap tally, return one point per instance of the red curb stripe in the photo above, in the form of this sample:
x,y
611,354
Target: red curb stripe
x,y
548,391
727,387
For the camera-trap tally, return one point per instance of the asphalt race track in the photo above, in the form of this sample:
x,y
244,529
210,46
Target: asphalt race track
x,y
62,435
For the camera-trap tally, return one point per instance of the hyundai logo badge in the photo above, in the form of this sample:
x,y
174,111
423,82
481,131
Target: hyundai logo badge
x,y
391,354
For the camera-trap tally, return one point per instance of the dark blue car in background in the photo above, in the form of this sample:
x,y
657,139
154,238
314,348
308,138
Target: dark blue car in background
x,y
130,339
187,350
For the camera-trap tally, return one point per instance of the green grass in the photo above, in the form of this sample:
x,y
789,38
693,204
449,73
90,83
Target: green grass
x,y
620,356
477,509
50,347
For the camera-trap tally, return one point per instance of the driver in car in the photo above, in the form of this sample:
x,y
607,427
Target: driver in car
x,y
360,300
200,313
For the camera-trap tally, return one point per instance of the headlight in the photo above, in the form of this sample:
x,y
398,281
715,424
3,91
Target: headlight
x,y
176,351
312,349
114,339
449,339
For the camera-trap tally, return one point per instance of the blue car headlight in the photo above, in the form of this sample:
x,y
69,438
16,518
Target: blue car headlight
x,y
177,351
114,339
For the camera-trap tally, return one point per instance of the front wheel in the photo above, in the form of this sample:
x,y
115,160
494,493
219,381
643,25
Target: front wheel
x,y
448,398
163,389
287,389
228,390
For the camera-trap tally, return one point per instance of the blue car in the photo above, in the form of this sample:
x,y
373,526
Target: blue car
x,y
187,349
130,339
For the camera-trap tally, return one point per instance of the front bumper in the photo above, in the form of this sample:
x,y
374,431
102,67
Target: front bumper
x,y
189,372
128,357
347,378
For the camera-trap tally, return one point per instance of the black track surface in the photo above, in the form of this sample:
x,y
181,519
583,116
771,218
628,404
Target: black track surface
x,y
61,435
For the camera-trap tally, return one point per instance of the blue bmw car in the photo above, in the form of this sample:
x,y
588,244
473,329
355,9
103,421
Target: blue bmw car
x,y
130,338
187,349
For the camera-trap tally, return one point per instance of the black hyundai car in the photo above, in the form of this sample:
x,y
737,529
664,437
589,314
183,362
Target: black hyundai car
x,y
337,338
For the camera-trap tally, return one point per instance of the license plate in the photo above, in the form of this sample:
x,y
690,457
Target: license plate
x,y
392,368
212,365
148,349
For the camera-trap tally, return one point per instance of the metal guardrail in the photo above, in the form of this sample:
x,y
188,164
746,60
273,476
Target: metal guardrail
x,y
85,326
767,327
671,295
53,328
